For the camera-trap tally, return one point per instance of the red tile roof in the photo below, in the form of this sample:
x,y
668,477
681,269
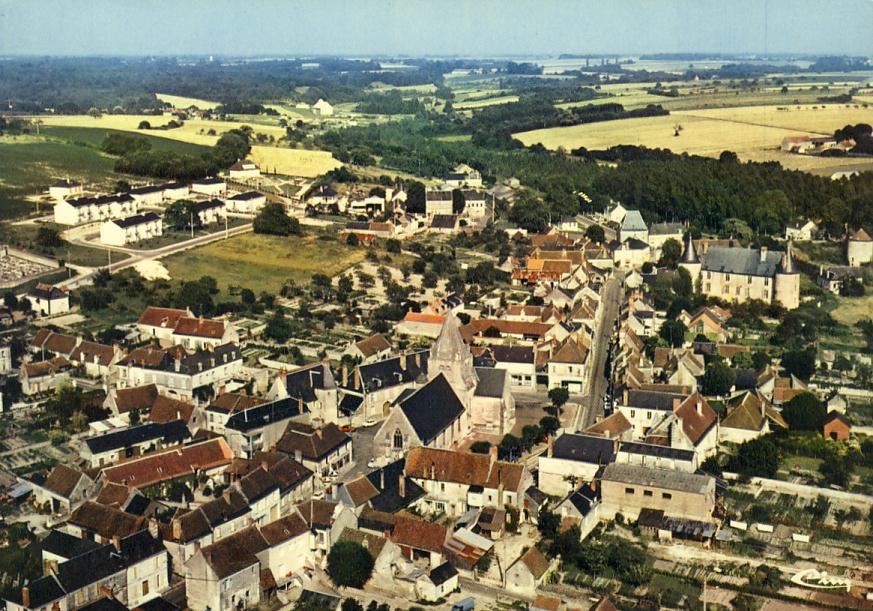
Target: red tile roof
x,y
697,417
136,398
161,317
431,319
106,521
199,327
165,409
170,464
462,468
63,480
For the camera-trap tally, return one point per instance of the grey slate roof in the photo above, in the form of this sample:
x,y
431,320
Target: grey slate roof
x,y
633,221
651,449
656,478
744,261
491,382
169,432
137,219
584,448
666,229
432,408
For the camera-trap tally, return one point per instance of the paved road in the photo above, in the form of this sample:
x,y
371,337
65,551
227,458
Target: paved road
x,y
592,404
137,256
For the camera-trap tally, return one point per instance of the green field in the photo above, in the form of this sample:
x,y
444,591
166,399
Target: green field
x,y
94,136
263,263
28,165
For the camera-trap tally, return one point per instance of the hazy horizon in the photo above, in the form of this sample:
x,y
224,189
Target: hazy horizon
x,y
422,28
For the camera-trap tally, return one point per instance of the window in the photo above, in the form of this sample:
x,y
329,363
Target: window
x,y
647,493
628,490
666,496
633,413
398,440
145,587
727,277
442,487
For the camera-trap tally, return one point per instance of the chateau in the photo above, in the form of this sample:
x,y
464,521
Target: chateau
x,y
741,274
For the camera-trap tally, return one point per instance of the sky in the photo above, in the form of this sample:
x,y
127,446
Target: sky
x,y
480,28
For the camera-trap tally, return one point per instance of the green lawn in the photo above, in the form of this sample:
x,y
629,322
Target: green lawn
x,y
263,263
94,136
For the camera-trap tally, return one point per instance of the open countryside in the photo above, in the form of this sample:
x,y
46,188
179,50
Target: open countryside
x,y
755,133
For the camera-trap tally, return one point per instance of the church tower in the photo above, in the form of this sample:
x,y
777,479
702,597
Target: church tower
x,y
787,289
690,261
451,357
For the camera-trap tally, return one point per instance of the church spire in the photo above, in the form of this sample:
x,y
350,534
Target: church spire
x,y
450,356
449,345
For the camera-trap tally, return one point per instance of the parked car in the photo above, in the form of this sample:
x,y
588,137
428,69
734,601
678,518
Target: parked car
x,y
348,428
370,422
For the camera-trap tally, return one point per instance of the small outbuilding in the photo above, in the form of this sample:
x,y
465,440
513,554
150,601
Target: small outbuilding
x,y
836,426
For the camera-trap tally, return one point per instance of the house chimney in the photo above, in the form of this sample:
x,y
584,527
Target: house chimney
x,y
401,486
624,396
492,455
345,375
402,362
381,479
418,359
549,447
225,494
763,253
357,378
25,597
176,525
116,543
432,471
699,406
298,456
153,528
499,491
676,403
300,404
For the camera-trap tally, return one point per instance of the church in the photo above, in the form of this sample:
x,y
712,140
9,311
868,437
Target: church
x,y
457,400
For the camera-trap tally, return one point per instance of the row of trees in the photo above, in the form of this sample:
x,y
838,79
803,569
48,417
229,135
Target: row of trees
x,y
139,159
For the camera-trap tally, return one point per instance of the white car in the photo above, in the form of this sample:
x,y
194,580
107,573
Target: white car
x,y
372,463
370,422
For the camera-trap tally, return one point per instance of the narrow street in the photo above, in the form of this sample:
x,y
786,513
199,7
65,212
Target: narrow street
x,y
591,405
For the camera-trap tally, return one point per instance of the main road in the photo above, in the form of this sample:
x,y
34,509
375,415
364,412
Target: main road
x,y
591,405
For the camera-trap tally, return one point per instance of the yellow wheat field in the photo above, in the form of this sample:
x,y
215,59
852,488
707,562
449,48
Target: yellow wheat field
x,y
753,132
293,162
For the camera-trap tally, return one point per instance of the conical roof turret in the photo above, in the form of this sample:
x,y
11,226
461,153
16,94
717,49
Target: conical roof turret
x,y
788,266
690,254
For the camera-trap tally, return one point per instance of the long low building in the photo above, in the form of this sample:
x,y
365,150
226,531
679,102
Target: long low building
x,y
90,209
628,488
119,232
